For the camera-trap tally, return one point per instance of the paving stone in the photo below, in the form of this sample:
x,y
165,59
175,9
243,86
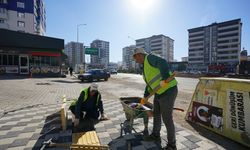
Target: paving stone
x,y
114,135
6,127
109,126
4,132
29,129
103,134
179,145
4,147
112,130
35,136
105,140
190,144
19,142
180,138
183,133
12,134
100,129
16,148
193,138
21,124
177,129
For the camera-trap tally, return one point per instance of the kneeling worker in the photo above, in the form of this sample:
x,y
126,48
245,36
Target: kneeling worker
x,y
88,106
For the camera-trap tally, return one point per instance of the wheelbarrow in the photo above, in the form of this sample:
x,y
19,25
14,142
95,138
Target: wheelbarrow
x,y
133,110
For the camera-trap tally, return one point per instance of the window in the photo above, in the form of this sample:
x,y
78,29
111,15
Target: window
x,y
20,5
3,1
3,10
2,21
20,15
20,24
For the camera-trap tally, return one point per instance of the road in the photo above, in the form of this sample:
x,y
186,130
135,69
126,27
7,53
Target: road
x,y
19,93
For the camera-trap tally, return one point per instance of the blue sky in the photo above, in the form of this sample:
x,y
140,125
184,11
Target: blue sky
x,y
117,20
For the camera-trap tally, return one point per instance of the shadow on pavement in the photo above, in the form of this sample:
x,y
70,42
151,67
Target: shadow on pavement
x,y
218,139
12,77
133,141
52,131
64,81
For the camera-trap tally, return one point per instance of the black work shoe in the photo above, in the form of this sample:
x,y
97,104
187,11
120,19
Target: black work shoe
x,y
170,147
152,137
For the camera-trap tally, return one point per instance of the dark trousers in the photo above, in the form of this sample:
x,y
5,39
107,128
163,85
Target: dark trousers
x,y
93,114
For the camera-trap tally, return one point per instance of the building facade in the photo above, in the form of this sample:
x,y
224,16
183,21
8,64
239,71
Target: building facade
x,y
29,54
158,44
102,59
27,16
76,53
218,44
127,58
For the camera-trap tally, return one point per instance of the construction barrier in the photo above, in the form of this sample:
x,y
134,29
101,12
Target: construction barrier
x,y
222,105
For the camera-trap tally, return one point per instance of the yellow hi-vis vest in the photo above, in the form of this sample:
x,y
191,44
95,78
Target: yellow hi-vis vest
x,y
152,77
86,94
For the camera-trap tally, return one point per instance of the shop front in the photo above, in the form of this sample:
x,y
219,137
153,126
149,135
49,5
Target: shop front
x,y
32,55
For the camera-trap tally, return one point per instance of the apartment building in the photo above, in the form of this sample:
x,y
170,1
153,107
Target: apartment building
x,y
102,59
23,15
76,53
158,44
128,62
215,44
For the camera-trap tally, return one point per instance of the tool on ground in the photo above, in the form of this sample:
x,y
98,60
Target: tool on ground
x,y
49,143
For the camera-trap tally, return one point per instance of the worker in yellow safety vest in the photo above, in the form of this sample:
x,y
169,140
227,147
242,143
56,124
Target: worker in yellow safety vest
x,y
88,106
155,73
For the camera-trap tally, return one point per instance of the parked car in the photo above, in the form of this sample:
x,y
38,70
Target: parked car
x,y
94,74
113,72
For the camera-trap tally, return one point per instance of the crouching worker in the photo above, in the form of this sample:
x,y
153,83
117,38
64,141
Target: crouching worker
x,y
88,108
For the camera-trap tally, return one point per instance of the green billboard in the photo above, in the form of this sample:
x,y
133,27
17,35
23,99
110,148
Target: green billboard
x,y
91,51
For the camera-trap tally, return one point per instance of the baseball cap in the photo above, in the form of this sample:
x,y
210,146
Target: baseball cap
x,y
139,51
94,87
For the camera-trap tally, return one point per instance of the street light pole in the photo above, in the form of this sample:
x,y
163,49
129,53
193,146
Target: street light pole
x,y
78,25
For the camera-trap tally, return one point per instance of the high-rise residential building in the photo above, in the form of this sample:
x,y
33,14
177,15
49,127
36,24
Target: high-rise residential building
x,y
102,59
185,59
76,53
158,44
215,44
23,15
127,57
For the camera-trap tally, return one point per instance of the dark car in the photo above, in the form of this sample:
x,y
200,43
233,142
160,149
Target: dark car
x,y
94,74
113,72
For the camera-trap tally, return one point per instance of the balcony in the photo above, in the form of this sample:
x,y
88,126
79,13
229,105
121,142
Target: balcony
x,y
4,15
228,38
228,27
4,25
195,33
229,32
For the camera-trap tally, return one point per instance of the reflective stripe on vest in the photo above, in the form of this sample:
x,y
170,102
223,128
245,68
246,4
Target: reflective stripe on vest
x,y
86,97
152,77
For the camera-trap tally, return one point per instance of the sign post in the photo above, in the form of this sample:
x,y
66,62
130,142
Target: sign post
x,y
92,51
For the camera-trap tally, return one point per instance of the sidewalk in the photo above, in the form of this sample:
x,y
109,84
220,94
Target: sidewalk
x,y
28,127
